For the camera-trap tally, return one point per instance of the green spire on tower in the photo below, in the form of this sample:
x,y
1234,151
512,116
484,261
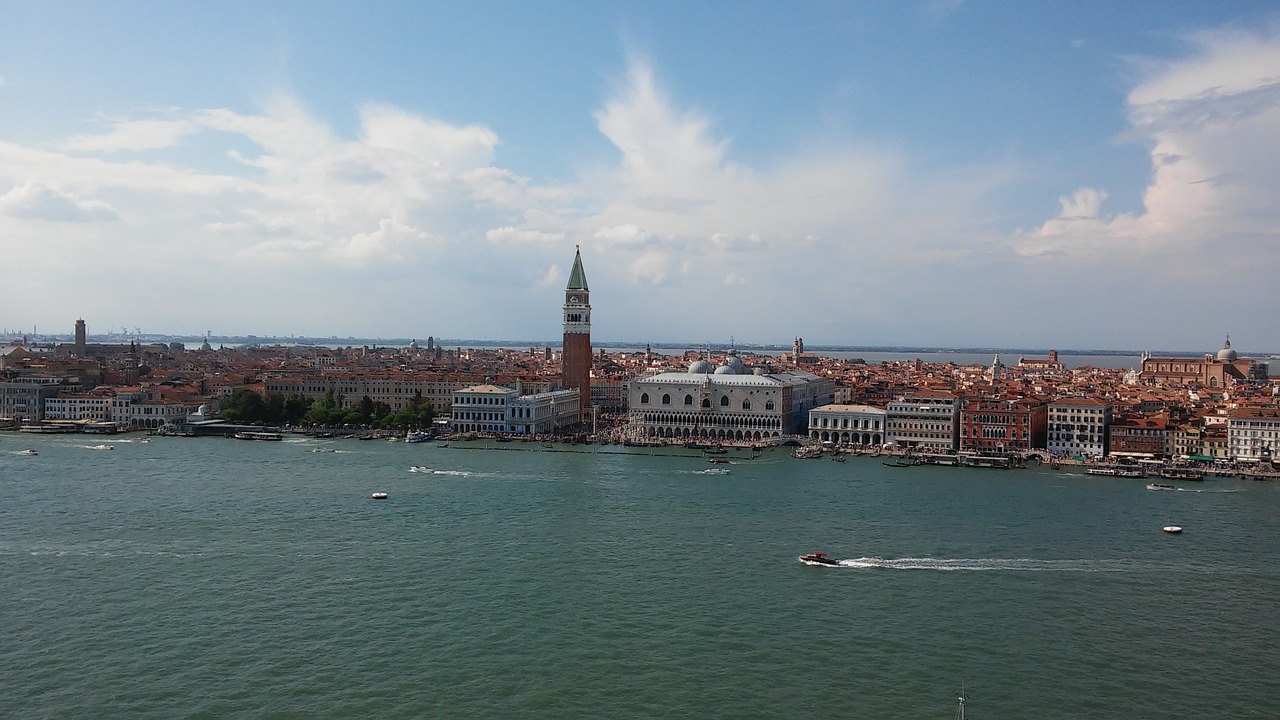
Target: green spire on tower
x,y
577,278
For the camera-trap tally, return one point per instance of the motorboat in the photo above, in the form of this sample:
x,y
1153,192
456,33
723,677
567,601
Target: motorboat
x,y
715,471
28,451
419,468
1161,486
818,558
417,436
98,447
1172,529
379,496
717,461
322,450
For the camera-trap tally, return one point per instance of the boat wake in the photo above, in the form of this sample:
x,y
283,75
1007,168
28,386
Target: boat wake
x,y
995,564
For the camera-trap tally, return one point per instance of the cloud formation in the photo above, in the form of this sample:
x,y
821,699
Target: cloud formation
x,y
838,239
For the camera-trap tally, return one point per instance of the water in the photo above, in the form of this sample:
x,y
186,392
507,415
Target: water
x,y
213,578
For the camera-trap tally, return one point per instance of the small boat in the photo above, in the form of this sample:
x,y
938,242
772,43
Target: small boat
x,y
818,558
28,451
897,463
838,457
419,469
1160,486
417,436
98,447
1172,529
379,496
323,449
717,461
715,471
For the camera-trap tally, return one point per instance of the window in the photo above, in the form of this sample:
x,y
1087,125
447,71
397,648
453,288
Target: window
x,y
688,400
706,402
724,401
746,404
768,404
644,398
666,399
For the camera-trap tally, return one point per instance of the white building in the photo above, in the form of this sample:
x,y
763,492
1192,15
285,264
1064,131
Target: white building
x,y
926,419
1253,433
493,409
68,406
1078,426
848,424
729,402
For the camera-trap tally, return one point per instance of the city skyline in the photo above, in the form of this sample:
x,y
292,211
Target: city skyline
x,y
950,174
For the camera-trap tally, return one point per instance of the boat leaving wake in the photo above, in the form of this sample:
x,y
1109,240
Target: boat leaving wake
x,y
997,565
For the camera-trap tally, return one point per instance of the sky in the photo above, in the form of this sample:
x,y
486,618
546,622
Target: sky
x,y
1088,175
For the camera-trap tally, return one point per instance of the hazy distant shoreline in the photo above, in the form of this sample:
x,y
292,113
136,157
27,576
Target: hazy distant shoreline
x,y
241,340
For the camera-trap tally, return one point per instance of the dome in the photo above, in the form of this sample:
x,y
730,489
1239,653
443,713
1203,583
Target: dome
x,y
1226,354
725,370
700,367
205,409
413,344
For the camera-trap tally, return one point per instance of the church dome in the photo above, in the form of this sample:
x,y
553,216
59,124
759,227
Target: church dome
x,y
700,367
735,362
1226,354
726,370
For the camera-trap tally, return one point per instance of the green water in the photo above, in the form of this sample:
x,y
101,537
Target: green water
x,y
216,578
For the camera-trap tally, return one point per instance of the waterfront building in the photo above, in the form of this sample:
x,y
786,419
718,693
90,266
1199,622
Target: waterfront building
x,y
94,405
925,419
576,360
493,409
1209,371
1253,433
1001,426
1146,437
848,424
728,402
1078,426
23,398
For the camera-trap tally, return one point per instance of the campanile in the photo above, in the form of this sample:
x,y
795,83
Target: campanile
x,y
576,361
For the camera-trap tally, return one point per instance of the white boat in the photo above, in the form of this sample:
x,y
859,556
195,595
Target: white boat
x,y
98,447
1160,486
379,496
1172,529
323,449
714,471
28,451
419,469
1101,471
258,435
417,436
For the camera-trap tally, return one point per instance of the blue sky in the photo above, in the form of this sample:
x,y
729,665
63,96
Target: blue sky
x,y
1080,174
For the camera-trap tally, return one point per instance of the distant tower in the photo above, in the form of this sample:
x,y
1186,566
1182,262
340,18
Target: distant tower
x,y
997,369
80,338
576,362
431,343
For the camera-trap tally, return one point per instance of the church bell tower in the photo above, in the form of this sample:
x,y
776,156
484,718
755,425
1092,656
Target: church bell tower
x,y
576,361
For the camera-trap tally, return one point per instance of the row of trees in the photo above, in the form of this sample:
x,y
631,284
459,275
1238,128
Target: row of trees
x,y
248,407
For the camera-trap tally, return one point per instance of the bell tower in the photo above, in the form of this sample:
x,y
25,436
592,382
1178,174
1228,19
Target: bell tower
x,y
576,361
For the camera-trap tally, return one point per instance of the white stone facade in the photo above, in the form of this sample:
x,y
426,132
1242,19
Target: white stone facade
x,y
1254,434
848,424
925,420
1078,427
493,409
725,403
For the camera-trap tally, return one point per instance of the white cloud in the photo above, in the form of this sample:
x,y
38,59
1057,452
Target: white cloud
x,y
37,201
510,234
624,236
553,279
133,135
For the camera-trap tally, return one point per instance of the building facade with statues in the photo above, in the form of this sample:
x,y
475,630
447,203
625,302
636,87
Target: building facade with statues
x,y
729,402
